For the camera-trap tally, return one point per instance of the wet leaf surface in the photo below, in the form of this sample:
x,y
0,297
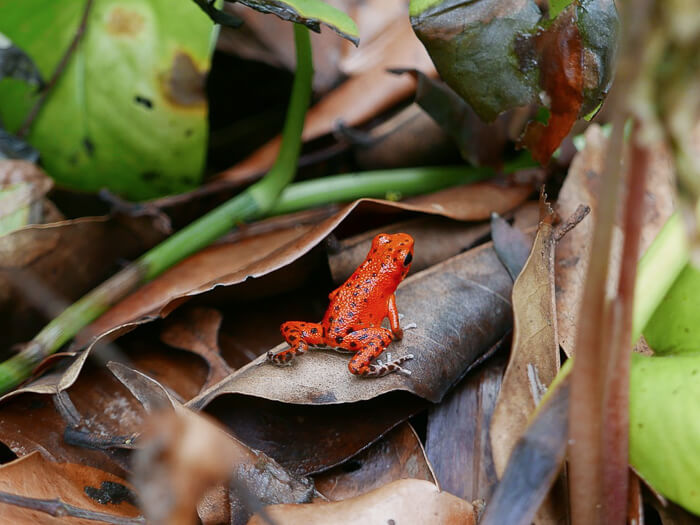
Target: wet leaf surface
x,y
37,477
23,186
404,501
398,455
573,251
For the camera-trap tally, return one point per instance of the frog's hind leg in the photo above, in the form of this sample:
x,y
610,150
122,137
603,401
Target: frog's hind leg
x,y
299,336
369,343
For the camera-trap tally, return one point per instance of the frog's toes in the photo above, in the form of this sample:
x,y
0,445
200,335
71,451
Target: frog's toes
x,y
392,365
280,358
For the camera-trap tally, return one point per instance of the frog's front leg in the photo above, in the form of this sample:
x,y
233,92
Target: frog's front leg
x,y
299,336
369,343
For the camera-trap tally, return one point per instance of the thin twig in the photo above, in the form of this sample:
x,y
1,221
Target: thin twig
x,y
570,222
615,436
79,32
59,509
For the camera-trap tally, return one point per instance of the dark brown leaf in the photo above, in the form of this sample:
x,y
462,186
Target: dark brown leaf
x,y
457,441
197,330
398,455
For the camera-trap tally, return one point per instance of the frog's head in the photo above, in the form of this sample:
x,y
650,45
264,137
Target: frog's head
x,y
396,249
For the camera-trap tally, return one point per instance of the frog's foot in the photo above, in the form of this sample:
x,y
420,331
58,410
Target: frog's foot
x,y
392,365
285,356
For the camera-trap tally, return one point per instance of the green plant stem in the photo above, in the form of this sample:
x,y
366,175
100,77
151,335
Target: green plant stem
x,y
250,204
379,184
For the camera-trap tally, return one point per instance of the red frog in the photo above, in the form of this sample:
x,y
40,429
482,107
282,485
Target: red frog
x,y
357,308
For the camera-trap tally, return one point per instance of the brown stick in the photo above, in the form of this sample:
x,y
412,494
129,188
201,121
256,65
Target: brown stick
x,y
616,398
63,63
59,509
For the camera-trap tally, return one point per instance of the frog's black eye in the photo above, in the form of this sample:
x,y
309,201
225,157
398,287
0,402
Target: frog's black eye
x,y
408,259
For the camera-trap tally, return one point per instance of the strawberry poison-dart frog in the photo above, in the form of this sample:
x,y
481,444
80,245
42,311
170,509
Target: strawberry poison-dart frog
x,y
357,308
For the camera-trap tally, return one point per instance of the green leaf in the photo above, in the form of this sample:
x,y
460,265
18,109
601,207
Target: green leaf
x,y
674,327
311,13
665,425
129,111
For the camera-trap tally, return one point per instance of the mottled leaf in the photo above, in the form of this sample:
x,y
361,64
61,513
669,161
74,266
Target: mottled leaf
x,y
133,91
22,189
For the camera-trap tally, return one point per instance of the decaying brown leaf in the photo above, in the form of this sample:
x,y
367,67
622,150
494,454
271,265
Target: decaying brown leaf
x,y
461,308
534,358
573,251
85,487
185,454
197,330
403,501
398,455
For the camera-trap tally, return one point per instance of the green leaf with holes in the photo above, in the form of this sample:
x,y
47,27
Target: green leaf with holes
x,y
129,110
311,13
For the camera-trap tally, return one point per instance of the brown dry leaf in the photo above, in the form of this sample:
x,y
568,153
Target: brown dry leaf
x,y
197,330
185,454
360,98
398,455
461,308
534,357
42,264
37,477
436,239
403,501
581,187
457,438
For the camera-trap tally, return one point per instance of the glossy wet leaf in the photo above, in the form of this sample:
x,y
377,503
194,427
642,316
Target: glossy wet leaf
x,y
503,55
664,425
133,91
534,357
404,501
511,244
311,13
37,477
674,326
398,455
